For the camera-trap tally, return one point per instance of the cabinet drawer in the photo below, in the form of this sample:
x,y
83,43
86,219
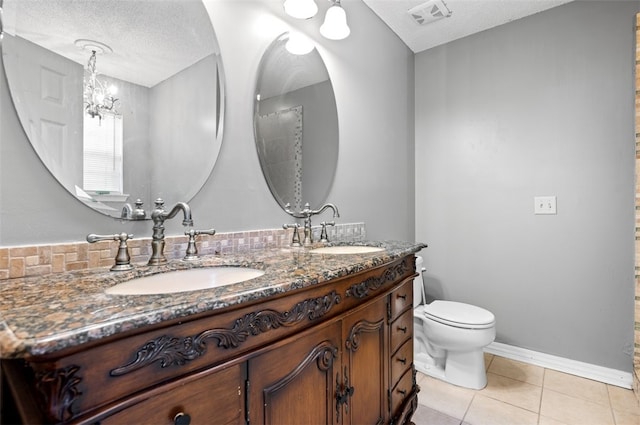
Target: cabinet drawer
x,y
214,399
401,361
401,330
401,298
401,391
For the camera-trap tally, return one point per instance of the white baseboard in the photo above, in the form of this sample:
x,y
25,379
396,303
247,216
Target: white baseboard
x,y
597,373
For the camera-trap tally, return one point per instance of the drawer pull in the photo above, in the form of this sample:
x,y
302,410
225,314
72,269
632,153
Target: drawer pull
x,y
403,360
404,297
182,419
403,329
403,392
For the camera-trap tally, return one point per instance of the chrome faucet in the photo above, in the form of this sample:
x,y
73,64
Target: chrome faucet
x,y
123,259
130,213
159,215
295,237
306,213
127,211
324,237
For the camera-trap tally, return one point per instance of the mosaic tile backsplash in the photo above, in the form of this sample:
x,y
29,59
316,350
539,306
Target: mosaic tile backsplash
x,y
41,260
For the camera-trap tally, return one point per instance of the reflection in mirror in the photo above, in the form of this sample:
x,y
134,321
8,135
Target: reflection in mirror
x,y
296,125
163,135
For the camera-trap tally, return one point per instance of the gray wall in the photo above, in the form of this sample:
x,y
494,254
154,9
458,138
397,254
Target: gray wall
x,y
137,142
182,131
540,106
372,73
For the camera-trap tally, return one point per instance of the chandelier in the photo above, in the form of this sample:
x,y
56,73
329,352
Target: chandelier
x,y
98,98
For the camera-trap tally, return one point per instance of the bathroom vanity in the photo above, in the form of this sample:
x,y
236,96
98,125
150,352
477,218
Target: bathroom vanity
x,y
318,338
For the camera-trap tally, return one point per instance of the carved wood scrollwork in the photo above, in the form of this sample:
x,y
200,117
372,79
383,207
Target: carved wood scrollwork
x,y
59,389
178,351
353,340
324,354
362,289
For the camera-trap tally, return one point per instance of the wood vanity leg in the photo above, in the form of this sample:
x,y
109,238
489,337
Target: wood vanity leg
x,y
17,401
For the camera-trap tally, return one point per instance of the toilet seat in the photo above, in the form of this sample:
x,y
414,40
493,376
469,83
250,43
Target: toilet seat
x,y
459,315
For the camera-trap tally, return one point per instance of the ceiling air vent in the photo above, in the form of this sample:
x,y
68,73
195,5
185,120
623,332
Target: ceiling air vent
x,y
428,12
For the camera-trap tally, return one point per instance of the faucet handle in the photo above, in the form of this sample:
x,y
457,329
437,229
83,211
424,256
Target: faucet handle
x,y
323,233
295,241
192,250
138,212
288,210
123,260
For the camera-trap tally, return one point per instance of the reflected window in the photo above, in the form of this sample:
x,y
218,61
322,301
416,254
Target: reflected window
x,y
102,154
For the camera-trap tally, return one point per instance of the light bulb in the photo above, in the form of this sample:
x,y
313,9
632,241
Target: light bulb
x,y
335,24
298,44
113,90
300,9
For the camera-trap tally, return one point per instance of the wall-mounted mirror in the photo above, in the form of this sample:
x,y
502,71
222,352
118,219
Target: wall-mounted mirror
x,y
163,136
296,125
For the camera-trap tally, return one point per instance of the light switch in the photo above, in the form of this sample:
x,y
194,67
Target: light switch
x,y
544,205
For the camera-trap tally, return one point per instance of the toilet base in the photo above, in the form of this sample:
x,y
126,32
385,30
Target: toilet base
x,y
427,365
464,369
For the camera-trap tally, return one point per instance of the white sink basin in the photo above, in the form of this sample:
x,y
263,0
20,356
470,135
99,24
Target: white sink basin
x,y
346,249
184,281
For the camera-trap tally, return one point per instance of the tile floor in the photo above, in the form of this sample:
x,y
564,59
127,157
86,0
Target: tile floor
x,y
521,394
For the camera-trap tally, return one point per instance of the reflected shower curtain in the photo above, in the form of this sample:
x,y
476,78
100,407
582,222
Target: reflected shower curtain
x,y
280,148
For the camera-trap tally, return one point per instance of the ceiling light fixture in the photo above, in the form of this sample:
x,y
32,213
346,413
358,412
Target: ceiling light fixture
x,y
98,98
298,43
301,9
335,22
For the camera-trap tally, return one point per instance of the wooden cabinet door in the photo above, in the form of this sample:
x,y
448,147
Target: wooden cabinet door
x,y
295,382
365,365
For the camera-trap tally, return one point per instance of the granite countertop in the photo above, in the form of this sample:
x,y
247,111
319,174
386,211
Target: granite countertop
x,y
41,315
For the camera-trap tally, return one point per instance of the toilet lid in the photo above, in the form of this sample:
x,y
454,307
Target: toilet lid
x,y
460,315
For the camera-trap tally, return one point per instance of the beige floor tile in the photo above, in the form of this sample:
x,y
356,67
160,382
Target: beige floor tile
x,y
573,410
427,416
518,393
446,398
543,420
488,358
626,418
517,370
577,387
623,400
487,411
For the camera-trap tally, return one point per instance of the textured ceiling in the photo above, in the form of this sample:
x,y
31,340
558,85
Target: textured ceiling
x,y
154,39
151,40
468,17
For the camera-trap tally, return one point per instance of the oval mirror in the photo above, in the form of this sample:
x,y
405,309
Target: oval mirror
x,y
121,100
296,125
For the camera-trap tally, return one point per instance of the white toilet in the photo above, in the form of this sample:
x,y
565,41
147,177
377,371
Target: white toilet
x,y
449,338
